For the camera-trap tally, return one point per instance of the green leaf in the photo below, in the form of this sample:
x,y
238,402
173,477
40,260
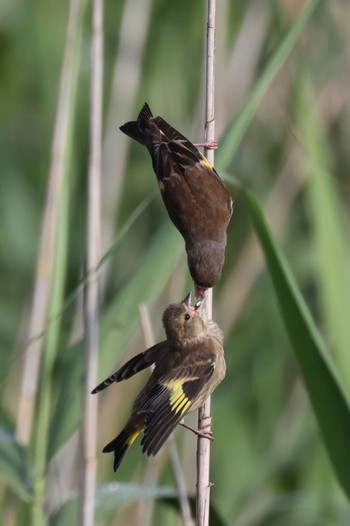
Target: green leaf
x,y
327,397
235,132
330,235
15,465
109,499
117,326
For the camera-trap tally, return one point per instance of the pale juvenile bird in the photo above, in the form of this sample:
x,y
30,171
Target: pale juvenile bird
x,y
195,197
188,366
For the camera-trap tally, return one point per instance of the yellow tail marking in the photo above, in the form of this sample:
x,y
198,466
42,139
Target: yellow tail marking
x,y
133,437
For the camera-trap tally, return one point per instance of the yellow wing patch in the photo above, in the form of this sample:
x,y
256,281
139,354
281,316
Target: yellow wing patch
x,y
205,162
179,402
161,186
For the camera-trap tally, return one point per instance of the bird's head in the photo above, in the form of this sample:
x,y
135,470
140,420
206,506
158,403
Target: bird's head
x,y
183,323
205,262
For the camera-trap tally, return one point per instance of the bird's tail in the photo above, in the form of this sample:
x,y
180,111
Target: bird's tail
x,y
134,129
121,444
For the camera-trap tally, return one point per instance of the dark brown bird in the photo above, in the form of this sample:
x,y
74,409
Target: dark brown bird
x,y
195,197
188,366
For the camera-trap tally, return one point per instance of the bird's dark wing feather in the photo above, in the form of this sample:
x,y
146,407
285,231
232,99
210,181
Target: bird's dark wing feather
x,y
169,134
135,365
170,399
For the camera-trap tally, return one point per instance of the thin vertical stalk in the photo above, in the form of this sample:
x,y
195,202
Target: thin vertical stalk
x,y
50,271
47,245
91,299
204,418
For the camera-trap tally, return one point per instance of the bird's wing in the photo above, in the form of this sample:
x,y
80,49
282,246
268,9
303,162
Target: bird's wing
x,y
176,152
171,134
170,399
168,147
190,186
135,365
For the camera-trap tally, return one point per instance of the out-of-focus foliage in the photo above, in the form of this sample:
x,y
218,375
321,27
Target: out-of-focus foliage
x,y
269,465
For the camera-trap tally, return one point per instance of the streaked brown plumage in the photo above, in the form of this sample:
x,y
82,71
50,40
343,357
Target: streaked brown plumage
x,y
196,199
188,366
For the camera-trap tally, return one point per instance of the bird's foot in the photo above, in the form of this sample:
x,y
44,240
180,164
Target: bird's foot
x,y
200,432
209,145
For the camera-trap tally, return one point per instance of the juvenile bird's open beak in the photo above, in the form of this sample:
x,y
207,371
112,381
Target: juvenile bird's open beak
x,y
187,300
200,292
198,305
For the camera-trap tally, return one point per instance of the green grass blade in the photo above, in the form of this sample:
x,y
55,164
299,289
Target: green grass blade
x,y
328,400
330,236
14,465
234,134
117,326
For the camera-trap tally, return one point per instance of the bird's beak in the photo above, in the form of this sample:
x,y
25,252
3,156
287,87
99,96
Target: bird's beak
x,y
187,300
198,305
200,292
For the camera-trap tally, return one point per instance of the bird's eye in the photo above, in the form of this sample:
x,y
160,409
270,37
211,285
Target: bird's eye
x,y
187,317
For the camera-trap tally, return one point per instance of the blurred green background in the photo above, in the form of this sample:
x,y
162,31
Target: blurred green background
x,y
269,466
